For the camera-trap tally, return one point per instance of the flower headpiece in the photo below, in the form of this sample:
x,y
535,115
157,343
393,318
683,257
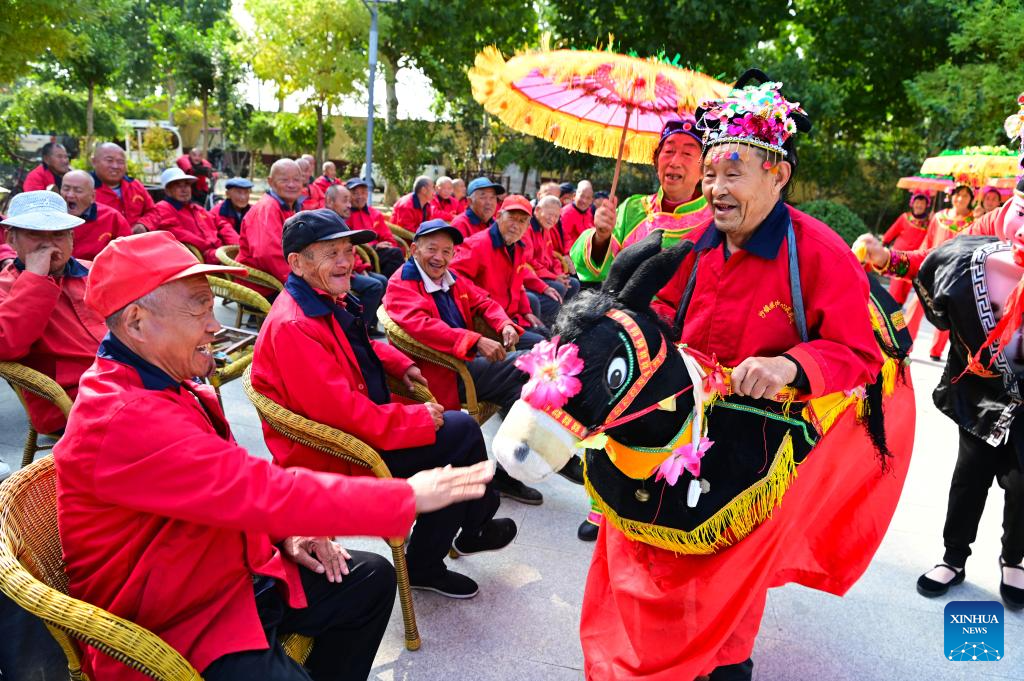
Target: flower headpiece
x,y
1014,127
553,372
752,115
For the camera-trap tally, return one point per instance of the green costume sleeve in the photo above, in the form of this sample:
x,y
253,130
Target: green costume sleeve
x,y
628,216
587,270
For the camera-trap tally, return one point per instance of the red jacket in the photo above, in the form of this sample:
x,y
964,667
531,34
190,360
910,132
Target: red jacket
x,y
409,213
260,240
304,361
323,183
45,324
543,250
102,225
469,224
484,260
226,215
313,197
164,519
133,203
372,219
412,308
906,233
39,178
575,222
743,308
202,180
989,224
191,224
6,252
446,209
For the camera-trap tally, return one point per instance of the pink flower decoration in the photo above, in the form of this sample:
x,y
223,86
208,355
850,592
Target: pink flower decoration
x,y
714,382
685,457
553,372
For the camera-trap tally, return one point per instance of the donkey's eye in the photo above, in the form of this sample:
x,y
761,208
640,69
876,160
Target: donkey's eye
x,y
616,373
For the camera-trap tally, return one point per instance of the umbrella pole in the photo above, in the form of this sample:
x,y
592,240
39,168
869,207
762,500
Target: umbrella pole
x,y
622,146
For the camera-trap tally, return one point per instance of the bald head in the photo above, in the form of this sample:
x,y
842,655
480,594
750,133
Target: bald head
x,y
339,199
286,179
78,190
329,170
584,195
109,163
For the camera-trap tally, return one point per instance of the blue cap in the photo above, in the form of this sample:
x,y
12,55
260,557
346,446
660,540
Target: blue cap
x,y
310,226
354,182
484,183
601,195
438,225
238,183
566,188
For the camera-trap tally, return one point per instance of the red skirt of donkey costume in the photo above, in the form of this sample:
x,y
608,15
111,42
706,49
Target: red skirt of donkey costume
x,y
654,615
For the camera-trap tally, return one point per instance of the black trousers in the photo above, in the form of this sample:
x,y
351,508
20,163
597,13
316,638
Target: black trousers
x,y
347,621
459,443
977,464
390,259
498,382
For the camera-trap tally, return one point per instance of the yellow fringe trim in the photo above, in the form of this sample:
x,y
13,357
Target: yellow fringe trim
x,y
729,525
492,80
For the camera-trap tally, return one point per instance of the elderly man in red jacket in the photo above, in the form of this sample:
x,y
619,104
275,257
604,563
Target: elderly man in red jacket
x,y
312,194
231,211
342,199
260,242
115,189
190,223
328,179
415,207
576,215
444,204
44,322
51,171
102,225
313,355
481,205
496,261
167,522
198,167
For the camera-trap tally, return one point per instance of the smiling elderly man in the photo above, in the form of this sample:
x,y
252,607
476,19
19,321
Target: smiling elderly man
x,y
102,225
167,522
482,202
313,356
51,171
114,188
260,242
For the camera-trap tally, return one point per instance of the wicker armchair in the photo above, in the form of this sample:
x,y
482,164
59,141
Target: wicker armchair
x,y
227,255
369,255
397,336
32,575
241,356
23,379
403,236
337,443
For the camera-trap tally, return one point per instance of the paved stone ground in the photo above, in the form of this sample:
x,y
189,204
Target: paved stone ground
x,y
524,623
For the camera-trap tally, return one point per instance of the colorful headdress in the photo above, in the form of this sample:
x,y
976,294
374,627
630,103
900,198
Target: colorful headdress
x,y
753,115
919,194
1014,127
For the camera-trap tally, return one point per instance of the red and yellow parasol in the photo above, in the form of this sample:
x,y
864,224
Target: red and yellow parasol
x,y
600,103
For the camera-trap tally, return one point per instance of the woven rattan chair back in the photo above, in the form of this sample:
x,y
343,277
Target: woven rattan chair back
x,y
23,379
227,256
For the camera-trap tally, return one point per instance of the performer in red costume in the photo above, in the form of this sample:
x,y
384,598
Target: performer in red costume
x,y
907,233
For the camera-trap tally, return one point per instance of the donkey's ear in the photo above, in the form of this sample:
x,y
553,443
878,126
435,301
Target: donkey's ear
x,y
652,276
628,260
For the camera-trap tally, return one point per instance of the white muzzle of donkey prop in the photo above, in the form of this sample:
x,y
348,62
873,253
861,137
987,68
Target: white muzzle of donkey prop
x,y
531,445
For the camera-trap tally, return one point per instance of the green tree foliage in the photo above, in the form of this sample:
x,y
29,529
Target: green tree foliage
x,y
285,133
50,107
30,28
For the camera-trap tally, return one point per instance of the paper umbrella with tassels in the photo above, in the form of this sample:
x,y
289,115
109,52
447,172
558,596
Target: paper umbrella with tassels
x,y
600,103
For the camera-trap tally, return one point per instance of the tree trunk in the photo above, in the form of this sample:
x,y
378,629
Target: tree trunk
x,y
319,135
203,141
526,173
89,103
391,90
170,99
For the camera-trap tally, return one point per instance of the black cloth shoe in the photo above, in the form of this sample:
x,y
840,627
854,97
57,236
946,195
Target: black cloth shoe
x,y
587,531
741,671
450,584
1013,596
496,534
573,470
507,486
930,588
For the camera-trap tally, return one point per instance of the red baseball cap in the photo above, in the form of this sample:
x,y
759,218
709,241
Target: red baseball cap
x,y
132,266
516,202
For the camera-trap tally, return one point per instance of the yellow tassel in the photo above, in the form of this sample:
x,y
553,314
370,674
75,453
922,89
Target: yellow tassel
x,y
729,525
890,369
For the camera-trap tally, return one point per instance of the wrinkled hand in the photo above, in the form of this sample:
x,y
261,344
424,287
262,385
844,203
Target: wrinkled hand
x,y
551,293
759,377
534,321
492,350
509,336
436,414
319,554
877,254
139,228
439,487
412,374
604,218
39,260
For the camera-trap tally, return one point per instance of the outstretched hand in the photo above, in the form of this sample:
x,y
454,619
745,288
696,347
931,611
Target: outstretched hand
x,y
439,487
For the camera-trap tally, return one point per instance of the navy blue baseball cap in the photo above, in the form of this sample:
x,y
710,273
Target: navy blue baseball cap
x,y
354,182
566,188
438,225
484,183
323,224
238,183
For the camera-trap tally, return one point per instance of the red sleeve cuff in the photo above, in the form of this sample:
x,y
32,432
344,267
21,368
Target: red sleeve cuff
x,y
811,368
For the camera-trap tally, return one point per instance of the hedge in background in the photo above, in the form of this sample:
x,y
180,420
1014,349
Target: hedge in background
x,y
844,221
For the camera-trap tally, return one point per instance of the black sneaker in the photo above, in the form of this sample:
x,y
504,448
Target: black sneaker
x,y
507,486
496,534
450,584
573,470
587,531
930,588
1013,596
